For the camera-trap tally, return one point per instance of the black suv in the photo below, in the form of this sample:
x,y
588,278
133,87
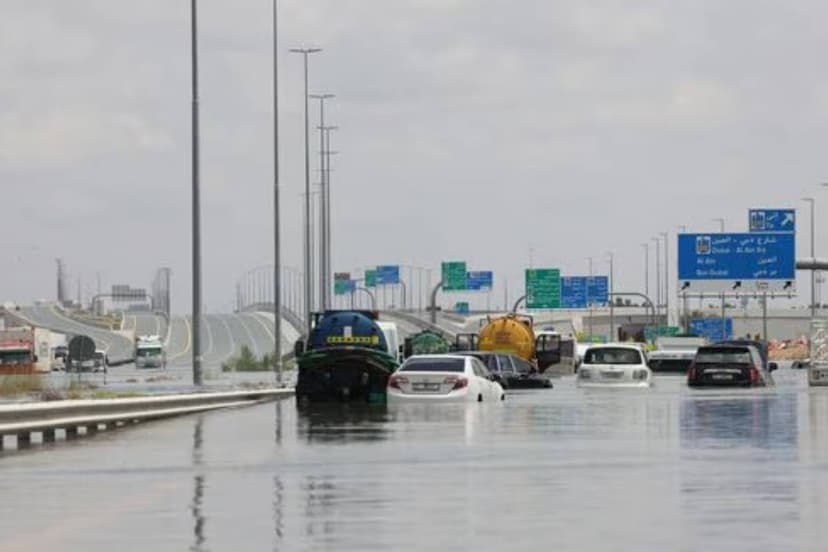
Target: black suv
x,y
742,363
510,371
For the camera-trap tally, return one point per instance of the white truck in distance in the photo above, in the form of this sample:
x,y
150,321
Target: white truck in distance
x,y
149,352
675,353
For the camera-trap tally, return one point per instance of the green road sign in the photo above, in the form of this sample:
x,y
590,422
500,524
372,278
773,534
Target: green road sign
x,y
543,288
653,332
454,276
370,278
341,287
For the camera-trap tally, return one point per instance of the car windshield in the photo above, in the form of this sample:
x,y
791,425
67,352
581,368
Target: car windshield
x,y
723,356
612,355
434,365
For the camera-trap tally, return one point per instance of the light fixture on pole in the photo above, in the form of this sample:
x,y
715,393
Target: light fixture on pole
x,y
308,245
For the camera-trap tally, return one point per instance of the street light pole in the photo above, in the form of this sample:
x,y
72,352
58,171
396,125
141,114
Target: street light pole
x,y
611,298
308,245
196,199
326,214
812,201
646,247
590,303
665,235
324,301
277,252
658,275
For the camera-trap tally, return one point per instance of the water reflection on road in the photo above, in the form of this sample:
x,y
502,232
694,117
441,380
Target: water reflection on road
x,y
668,469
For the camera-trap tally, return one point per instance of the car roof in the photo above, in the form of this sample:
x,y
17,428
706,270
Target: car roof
x,y
439,356
631,346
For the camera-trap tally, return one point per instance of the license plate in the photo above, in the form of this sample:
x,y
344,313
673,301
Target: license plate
x,y
426,387
722,376
612,375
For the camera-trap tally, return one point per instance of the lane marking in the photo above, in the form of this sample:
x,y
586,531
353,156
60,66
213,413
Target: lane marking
x,y
189,340
232,339
249,334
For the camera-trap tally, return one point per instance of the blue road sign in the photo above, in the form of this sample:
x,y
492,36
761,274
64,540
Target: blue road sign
x,y
772,220
711,328
733,263
598,290
580,292
480,280
574,292
388,275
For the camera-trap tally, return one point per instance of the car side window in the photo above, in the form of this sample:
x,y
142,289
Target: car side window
x,y
506,363
480,369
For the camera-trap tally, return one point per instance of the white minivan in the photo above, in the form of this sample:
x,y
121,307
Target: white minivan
x,y
392,337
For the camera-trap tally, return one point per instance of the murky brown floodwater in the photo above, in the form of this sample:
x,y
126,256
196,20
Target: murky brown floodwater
x,y
561,469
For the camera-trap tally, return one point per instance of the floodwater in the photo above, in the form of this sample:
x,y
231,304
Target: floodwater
x,y
561,469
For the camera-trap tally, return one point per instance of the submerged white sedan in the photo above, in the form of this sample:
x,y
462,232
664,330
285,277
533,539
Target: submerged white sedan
x,y
615,365
443,378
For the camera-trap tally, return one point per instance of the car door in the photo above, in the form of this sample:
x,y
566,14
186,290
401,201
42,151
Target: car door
x,y
482,377
492,388
508,371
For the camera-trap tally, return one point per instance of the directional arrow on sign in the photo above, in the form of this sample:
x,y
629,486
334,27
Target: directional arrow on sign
x,y
789,218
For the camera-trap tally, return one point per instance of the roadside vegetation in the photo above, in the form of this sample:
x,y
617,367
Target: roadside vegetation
x,y
35,386
248,362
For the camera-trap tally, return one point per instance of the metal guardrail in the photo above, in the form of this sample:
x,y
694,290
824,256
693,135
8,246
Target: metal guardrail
x,y
46,417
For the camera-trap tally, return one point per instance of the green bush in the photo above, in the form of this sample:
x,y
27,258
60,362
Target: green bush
x,y
247,362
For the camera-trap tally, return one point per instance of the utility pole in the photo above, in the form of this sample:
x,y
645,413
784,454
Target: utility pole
x,y
646,247
277,251
658,276
308,244
326,214
812,201
666,235
196,199
324,269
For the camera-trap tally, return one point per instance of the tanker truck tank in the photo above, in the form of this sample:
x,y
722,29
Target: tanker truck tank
x,y
512,334
346,359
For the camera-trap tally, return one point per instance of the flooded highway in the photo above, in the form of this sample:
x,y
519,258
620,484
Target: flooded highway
x,y
565,469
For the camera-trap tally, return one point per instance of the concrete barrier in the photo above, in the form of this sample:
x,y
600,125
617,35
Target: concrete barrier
x,y
21,420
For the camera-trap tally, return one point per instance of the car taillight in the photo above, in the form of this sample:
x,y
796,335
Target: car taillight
x,y
459,382
691,372
395,381
754,374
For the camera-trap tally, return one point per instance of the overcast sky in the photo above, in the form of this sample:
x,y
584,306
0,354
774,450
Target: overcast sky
x,y
470,129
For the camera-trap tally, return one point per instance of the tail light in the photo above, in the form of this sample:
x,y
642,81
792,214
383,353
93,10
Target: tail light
x,y
754,374
691,372
459,382
395,381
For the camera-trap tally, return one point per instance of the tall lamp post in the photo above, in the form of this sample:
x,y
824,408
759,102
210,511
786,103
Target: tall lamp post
x,y
812,201
610,257
657,242
196,198
665,235
308,245
324,291
277,253
646,247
